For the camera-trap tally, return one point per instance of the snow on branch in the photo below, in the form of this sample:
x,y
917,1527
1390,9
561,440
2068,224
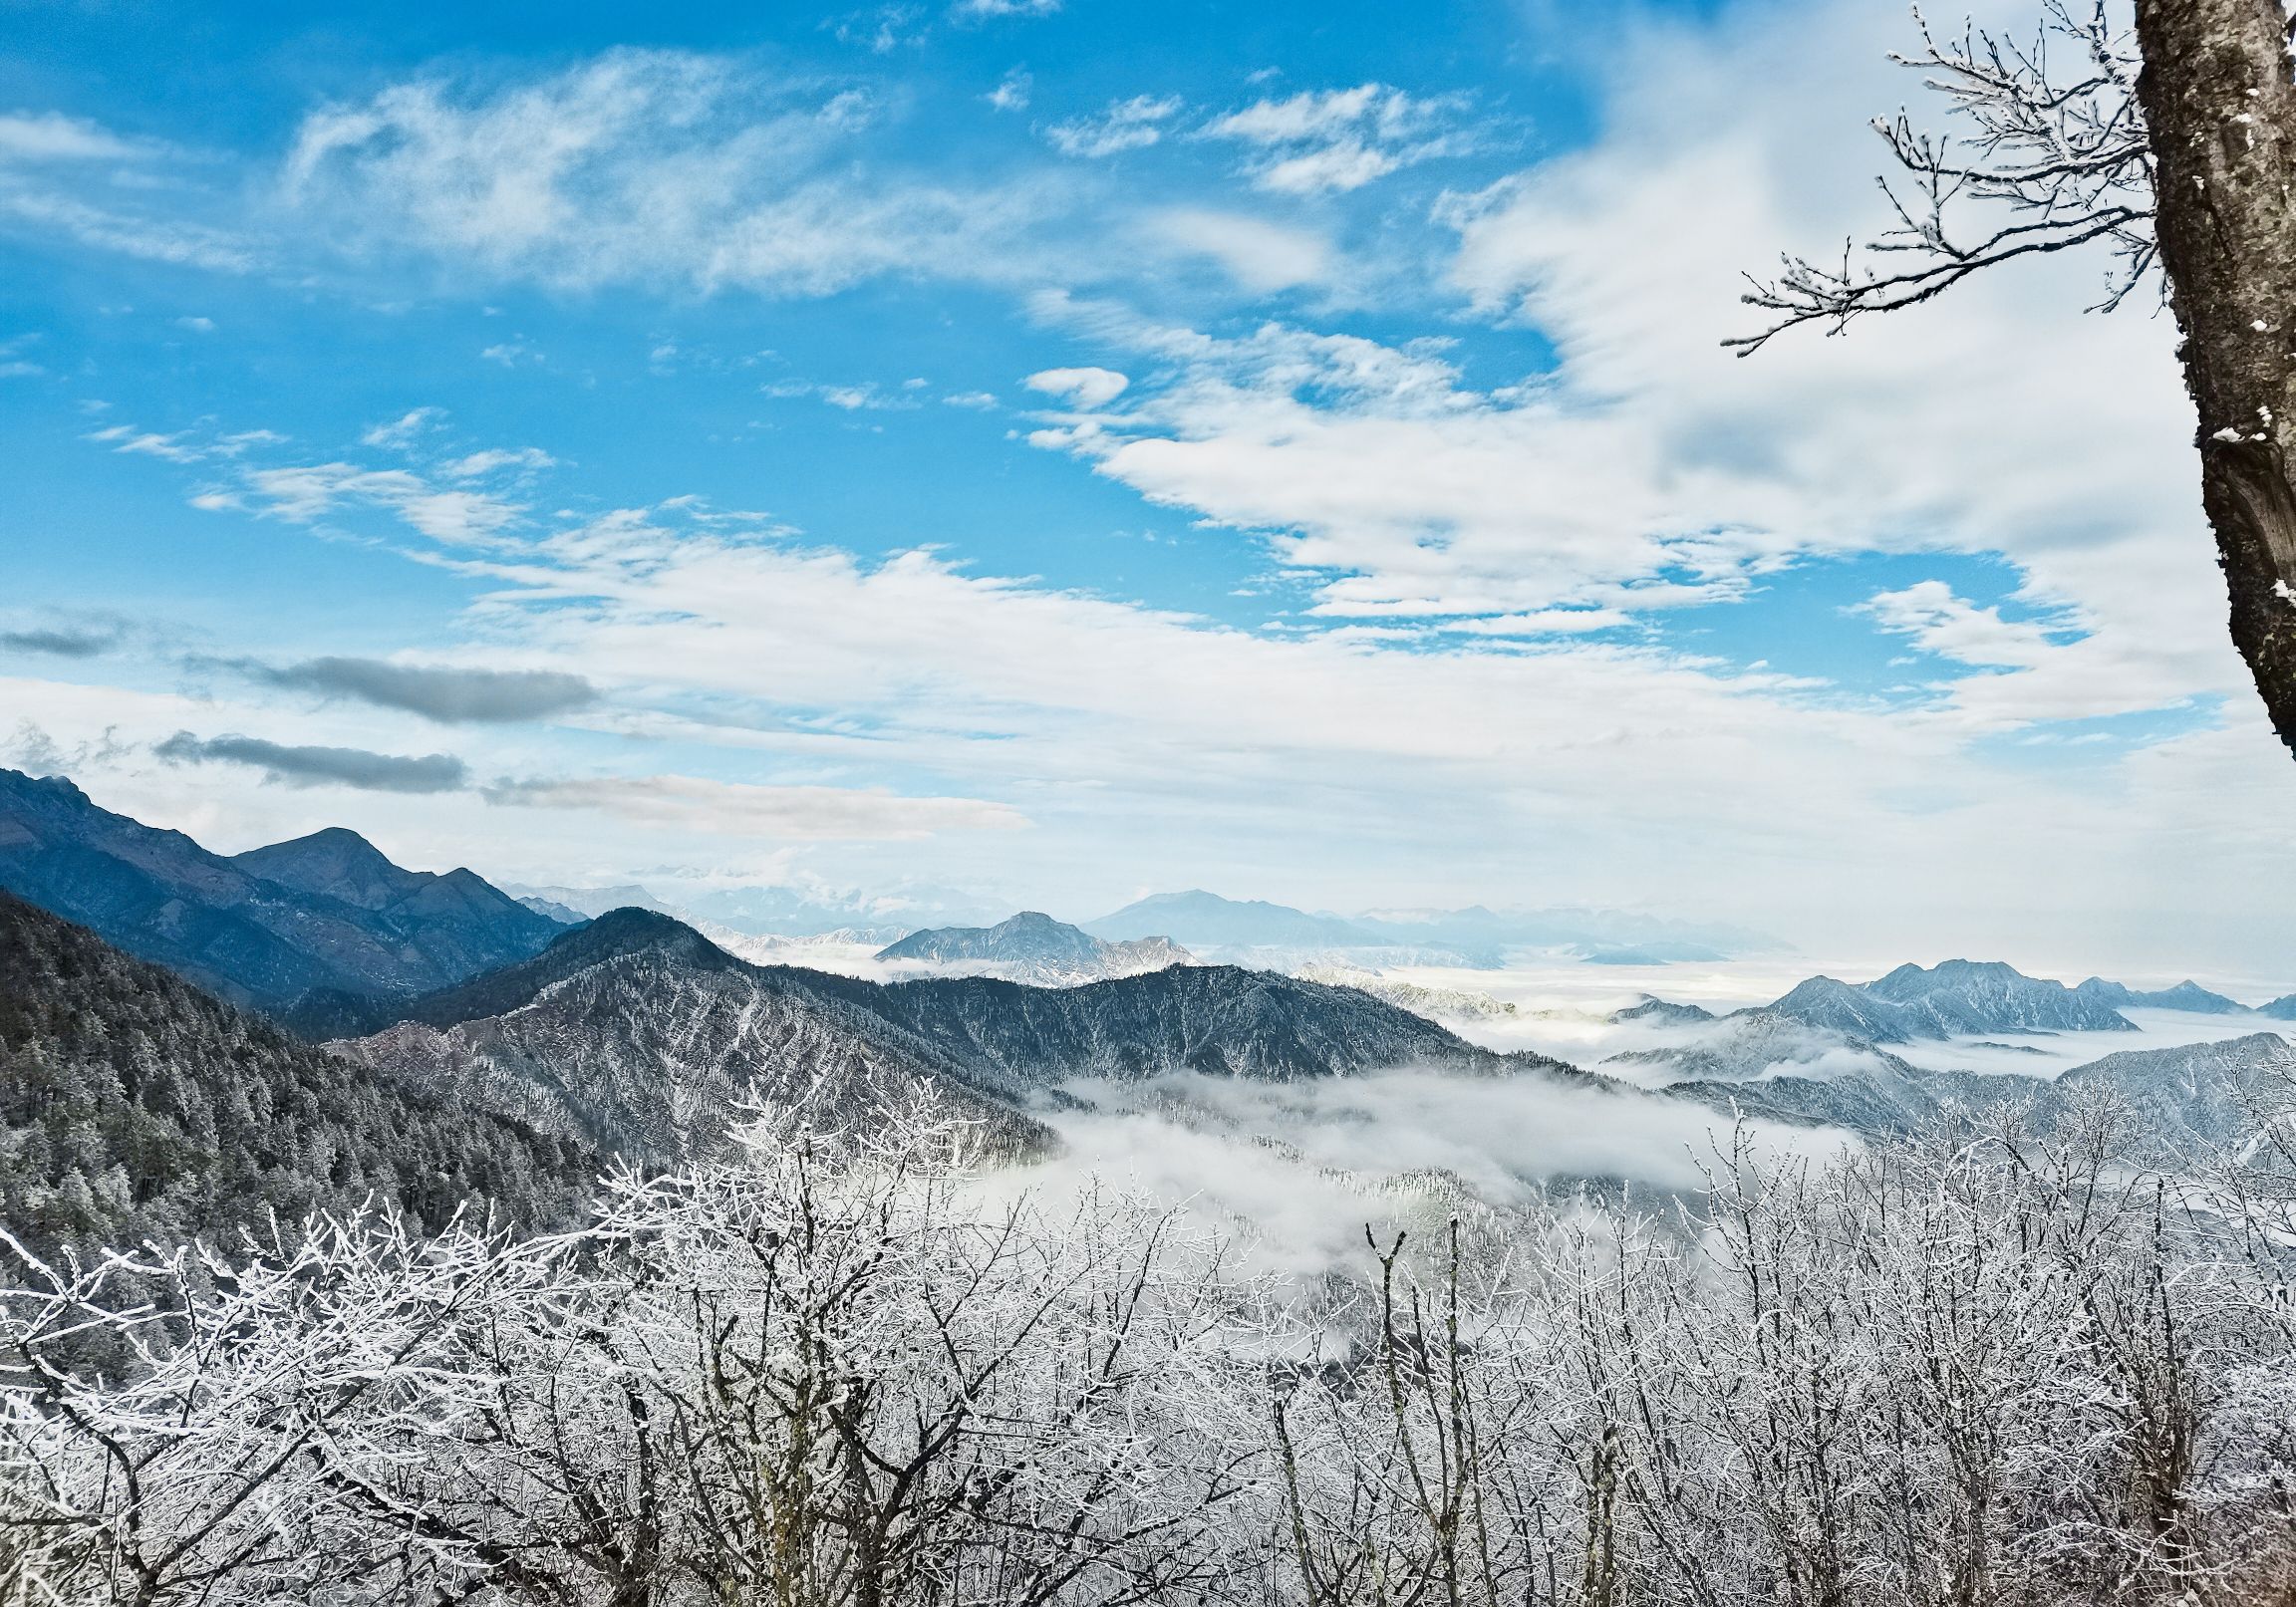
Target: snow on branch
x,y
2047,153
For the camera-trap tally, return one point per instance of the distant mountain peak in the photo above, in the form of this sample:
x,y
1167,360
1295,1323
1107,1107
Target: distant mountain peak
x,y
1028,920
1664,1011
631,924
1209,921
1951,999
1032,948
331,855
2187,995
54,783
333,837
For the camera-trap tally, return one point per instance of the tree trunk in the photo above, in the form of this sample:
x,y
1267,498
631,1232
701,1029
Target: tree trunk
x,y
2220,107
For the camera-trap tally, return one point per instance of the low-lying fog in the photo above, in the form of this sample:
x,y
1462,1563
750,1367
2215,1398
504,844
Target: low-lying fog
x,y
1561,1008
1302,1167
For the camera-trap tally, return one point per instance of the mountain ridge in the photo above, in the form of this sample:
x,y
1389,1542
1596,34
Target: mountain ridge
x,y
252,939
1951,999
1204,920
1032,946
632,1031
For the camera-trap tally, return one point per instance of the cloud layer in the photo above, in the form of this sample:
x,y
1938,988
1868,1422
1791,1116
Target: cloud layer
x,y
450,695
321,766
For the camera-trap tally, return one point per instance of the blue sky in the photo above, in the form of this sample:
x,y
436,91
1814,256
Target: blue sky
x,y
1060,450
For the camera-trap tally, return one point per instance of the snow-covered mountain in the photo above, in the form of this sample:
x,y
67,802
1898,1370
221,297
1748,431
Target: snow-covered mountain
x,y
638,1034
2206,1092
1032,948
1661,1011
308,931
136,1108
1954,998
1757,1043
1829,1029
2187,995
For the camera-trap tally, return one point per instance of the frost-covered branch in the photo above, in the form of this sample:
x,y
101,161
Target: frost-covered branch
x,y
1982,1365
2045,151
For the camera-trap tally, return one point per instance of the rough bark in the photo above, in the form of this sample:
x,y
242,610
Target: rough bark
x,y
2220,104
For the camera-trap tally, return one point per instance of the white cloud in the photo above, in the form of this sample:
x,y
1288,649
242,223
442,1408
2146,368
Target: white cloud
x,y
741,809
52,136
1087,387
1012,91
307,493
1004,8
1215,755
148,443
1340,139
48,187
398,434
181,241
1343,166
1650,468
1545,622
1936,620
1130,124
644,167
478,465
1260,255
864,397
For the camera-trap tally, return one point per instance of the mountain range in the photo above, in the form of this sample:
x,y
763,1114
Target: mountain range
x,y
482,1050
2187,995
1843,1027
1950,1000
639,1035
2207,1092
1032,948
1212,926
1817,1053
314,932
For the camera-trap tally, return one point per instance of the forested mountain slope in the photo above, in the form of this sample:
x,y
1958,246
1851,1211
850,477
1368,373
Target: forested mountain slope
x,y
133,1105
